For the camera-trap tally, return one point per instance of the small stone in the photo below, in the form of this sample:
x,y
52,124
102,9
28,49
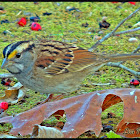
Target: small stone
x,y
107,128
110,115
27,13
46,13
85,24
35,19
57,3
69,8
4,21
133,39
100,32
110,121
1,8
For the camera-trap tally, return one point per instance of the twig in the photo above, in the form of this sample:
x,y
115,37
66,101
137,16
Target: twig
x,y
122,32
19,13
112,32
102,84
119,64
109,44
128,31
137,49
6,75
123,67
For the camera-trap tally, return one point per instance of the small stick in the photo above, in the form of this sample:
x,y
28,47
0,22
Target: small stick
x,y
112,32
127,31
19,13
102,84
136,50
6,75
123,67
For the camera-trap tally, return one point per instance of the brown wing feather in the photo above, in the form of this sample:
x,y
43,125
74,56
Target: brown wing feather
x,y
54,57
61,64
82,59
57,58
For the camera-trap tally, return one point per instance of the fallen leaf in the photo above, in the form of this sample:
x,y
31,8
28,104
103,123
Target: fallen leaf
x,y
6,136
59,125
46,132
9,93
14,94
83,113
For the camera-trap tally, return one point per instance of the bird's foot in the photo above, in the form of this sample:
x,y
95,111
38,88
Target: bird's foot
x,y
51,97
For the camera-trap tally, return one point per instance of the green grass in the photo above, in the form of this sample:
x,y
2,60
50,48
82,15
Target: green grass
x,y
62,25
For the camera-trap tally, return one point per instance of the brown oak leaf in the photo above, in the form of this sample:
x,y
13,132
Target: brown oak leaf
x,y
83,113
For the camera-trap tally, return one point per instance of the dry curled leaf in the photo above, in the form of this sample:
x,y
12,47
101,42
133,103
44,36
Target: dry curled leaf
x,y
14,94
46,132
6,136
83,113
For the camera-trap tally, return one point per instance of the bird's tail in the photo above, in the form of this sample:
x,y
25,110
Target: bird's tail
x,y
122,57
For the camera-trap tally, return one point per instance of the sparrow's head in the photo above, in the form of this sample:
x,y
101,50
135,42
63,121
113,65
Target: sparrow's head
x,y
16,56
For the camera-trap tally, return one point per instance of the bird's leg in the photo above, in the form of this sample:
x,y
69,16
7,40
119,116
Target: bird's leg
x,y
51,97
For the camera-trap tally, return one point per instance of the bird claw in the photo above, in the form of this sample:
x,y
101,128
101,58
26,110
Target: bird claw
x,y
51,97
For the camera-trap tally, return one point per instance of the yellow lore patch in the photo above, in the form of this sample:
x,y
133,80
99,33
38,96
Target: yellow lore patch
x,y
12,54
2,55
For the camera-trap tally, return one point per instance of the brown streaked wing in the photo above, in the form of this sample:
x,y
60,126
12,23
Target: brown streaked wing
x,y
55,59
62,62
83,59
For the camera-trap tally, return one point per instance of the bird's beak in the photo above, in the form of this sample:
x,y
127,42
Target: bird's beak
x,y
5,61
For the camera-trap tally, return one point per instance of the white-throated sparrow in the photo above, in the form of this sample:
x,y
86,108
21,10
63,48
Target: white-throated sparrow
x,y
53,66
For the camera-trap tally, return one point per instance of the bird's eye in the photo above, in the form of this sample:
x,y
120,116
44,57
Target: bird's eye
x,y
18,55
